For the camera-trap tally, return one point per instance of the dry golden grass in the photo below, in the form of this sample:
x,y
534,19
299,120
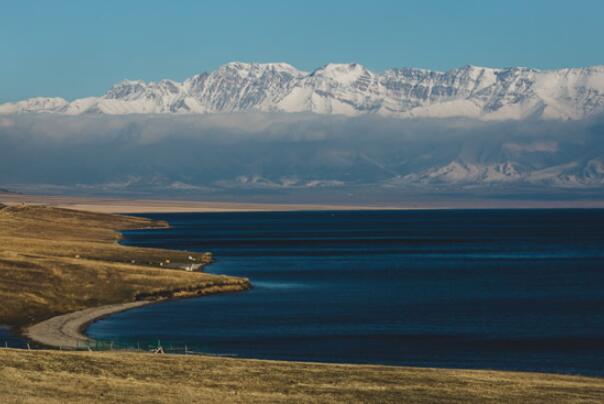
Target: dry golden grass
x,y
59,377
54,261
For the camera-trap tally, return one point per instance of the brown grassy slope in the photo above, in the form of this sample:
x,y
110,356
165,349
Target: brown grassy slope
x,y
54,261
58,377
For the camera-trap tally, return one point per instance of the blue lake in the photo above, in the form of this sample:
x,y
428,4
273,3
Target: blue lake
x,y
497,289
9,339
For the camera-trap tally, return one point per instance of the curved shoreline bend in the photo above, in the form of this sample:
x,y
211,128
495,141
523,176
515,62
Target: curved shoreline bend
x,y
67,331
85,252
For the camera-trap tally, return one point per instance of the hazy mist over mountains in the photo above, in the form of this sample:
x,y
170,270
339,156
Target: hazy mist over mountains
x,y
302,156
340,132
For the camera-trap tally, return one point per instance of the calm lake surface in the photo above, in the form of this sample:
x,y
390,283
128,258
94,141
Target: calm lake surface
x,y
498,289
9,339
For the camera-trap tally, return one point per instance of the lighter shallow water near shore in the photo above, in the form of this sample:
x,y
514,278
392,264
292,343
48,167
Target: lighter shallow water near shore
x,y
502,289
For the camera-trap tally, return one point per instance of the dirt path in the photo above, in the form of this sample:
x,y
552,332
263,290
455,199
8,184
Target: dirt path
x,y
66,331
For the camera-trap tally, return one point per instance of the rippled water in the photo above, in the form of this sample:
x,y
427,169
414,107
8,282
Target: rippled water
x,y
505,289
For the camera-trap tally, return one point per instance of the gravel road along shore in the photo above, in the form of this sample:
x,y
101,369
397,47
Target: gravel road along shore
x,y
66,331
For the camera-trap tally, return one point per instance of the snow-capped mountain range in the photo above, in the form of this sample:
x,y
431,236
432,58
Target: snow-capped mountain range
x,y
351,90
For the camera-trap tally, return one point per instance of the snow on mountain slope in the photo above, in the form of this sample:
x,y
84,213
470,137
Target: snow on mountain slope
x,y
351,89
38,104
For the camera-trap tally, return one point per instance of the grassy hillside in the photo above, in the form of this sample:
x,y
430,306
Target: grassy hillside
x,y
58,377
54,261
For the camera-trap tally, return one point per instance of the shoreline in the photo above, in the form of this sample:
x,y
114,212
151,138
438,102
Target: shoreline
x,y
141,206
68,376
67,331
124,205
61,328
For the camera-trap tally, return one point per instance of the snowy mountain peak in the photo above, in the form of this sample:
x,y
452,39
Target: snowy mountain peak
x,y
342,66
340,71
352,89
475,69
126,89
258,69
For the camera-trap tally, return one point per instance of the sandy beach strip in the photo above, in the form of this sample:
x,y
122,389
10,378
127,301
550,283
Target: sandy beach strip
x,y
118,205
67,331
126,205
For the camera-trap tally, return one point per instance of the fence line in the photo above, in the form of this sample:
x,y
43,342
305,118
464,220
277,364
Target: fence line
x,y
110,345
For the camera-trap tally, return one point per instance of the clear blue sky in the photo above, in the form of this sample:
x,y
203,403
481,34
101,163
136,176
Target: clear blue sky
x,y
79,48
